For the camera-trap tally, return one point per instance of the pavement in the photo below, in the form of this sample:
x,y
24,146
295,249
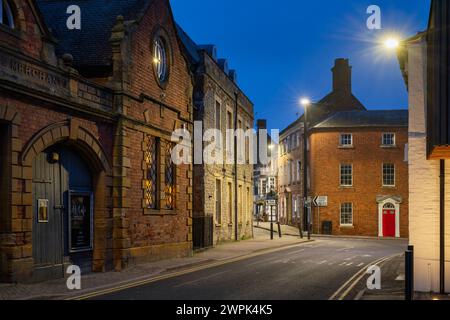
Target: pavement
x,y
93,282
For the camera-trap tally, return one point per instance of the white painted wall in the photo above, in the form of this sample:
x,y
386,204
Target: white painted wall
x,y
424,182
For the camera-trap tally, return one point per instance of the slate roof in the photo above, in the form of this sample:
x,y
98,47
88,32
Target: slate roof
x,y
191,48
359,119
90,45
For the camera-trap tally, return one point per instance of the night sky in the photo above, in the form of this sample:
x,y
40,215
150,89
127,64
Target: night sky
x,y
284,49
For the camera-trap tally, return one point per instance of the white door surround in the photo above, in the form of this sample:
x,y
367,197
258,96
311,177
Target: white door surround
x,y
382,202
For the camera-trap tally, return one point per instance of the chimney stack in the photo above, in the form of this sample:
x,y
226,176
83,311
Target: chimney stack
x,y
261,124
342,76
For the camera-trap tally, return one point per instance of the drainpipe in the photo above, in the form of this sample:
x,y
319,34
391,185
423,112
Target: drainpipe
x,y
442,228
236,230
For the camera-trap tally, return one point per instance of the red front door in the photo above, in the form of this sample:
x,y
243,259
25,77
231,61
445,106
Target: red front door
x,y
389,223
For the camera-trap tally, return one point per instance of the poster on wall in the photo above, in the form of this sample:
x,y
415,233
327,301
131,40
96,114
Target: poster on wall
x,y
80,221
42,210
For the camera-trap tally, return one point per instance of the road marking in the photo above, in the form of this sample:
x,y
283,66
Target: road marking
x,y
349,264
360,265
296,252
199,279
179,273
323,262
358,276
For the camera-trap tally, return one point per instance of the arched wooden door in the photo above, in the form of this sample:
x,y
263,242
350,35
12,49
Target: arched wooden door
x,y
63,212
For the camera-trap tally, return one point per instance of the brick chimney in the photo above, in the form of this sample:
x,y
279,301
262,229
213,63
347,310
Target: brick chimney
x,y
342,76
261,124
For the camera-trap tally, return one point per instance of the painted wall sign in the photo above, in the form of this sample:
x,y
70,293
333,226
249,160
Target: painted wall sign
x,y
23,71
80,221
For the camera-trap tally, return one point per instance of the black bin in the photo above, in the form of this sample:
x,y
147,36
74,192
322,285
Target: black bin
x,y
327,227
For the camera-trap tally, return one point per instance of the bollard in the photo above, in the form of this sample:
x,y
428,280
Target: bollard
x,y
409,275
271,230
279,230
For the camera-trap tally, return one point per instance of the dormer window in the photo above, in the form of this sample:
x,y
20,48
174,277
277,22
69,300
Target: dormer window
x,y
6,14
160,60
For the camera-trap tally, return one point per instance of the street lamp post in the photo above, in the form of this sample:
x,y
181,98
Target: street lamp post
x,y
305,102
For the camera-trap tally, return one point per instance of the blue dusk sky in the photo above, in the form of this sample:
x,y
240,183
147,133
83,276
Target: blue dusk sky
x,y
285,49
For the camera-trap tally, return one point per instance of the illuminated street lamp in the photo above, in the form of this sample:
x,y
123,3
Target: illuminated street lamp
x,y
392,43
305,102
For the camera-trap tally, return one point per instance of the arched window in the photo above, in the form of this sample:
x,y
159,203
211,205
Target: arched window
x,y
6,14
388,206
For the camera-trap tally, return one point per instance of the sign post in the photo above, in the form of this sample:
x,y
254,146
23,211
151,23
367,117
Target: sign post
x,y
320,201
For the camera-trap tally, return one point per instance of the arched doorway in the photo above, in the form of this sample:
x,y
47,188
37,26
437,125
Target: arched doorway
x,y
389,220
63,205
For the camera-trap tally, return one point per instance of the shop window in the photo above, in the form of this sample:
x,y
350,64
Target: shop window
x,y
151,172
169,177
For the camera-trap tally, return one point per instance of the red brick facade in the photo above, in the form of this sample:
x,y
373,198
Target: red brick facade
x,y
367,157
45,102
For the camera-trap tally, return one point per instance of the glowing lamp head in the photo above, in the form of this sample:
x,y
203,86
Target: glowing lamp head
x,y
305,102
392,43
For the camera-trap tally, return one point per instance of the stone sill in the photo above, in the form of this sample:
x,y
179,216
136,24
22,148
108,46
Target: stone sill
x,y
346,147
162,213
346,227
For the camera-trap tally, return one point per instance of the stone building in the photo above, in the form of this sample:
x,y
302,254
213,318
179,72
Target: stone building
x,y
290,174
265,175
223,201
426,74
358,162
86,118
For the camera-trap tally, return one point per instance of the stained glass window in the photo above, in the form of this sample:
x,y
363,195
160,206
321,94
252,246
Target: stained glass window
x,y
151,172
169,177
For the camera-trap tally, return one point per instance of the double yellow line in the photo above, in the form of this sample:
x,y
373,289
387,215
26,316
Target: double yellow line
x,y
348,286
179,273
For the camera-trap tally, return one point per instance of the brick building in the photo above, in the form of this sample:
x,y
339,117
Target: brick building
x,y
290,163
426,74
86,118
223,201
358,161
355,158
